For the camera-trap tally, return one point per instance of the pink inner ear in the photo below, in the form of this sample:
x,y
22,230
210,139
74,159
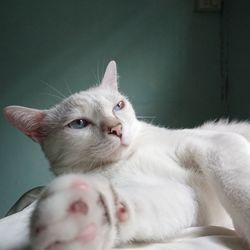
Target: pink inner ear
x,y
37,134
110,77
29,121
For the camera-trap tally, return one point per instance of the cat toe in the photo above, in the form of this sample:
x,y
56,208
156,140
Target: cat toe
x,y
73,214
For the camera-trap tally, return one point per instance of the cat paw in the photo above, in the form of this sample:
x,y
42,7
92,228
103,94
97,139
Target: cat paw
x,y
75,212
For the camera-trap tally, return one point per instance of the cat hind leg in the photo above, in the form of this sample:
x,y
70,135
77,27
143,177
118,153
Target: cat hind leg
x,y
224,159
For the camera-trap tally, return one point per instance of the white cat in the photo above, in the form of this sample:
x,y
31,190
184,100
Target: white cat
x,y
128,180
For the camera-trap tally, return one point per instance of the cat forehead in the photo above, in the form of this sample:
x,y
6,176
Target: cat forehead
x,y
96,98
91,100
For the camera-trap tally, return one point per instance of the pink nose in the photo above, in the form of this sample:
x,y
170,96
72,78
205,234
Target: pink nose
x,y
116,130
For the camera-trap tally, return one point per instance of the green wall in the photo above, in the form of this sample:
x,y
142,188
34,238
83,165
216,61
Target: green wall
x,y
168,59
238,19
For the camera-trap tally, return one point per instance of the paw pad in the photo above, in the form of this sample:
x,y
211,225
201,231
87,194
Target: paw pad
x,y
78,207
88,234
122,212
79,184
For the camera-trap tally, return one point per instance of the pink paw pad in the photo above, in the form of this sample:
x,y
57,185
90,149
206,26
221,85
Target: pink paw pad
x,y
79,184
88,234
122,213
39,229
78,206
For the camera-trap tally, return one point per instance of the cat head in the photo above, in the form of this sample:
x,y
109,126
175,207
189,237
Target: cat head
x,y
86,130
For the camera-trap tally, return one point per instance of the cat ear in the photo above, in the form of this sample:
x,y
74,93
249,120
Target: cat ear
x,y
110,77
29,121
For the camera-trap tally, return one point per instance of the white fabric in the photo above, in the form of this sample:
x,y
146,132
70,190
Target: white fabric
x,y
199,238
14,235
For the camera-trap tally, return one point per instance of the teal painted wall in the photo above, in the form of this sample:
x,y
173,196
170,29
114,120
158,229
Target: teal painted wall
x,y
238,19
168,59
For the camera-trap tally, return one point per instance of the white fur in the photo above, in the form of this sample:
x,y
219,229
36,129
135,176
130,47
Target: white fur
x,y
168,180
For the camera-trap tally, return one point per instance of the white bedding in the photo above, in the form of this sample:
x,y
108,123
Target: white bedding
x,y
14,235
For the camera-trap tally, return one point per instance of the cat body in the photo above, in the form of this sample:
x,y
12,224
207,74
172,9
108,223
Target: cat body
x,y
151,182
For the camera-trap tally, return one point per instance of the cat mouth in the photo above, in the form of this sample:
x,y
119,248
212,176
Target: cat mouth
x,y
117,147
117,144
116,131
122,141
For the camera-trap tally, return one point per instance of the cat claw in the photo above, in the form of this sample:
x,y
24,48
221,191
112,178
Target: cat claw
x,y
73,213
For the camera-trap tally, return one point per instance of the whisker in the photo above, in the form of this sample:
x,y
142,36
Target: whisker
x,y
68,88
95,77
140,117
49,94
145,116
53,88
104,150
98,73
92,165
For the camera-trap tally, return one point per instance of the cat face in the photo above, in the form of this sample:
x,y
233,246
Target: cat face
x,y
84,131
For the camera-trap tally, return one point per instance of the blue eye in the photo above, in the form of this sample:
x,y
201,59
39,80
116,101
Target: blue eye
x,y
120,105
78,124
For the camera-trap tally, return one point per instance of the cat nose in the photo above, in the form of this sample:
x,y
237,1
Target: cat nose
x,y
116,130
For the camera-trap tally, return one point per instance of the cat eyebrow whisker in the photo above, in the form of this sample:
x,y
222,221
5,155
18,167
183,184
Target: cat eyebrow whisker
x,y
49,94
97,73
68,88
53,88
96,78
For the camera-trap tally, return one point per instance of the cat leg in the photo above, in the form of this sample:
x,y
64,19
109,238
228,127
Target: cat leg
x,y
224,158
154,207
84,212
75,212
